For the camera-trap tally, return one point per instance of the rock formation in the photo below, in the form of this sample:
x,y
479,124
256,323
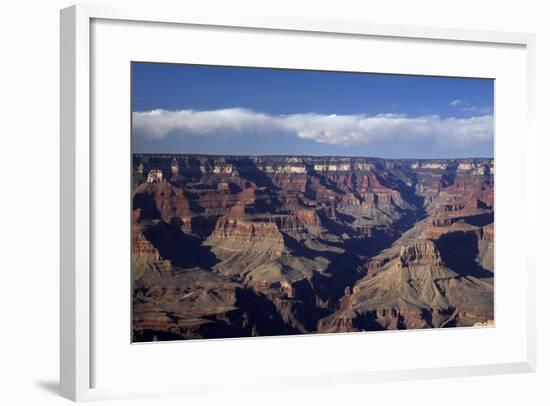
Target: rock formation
x,y
230,246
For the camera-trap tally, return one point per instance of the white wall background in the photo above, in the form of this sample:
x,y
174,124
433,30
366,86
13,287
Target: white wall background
x,y
29,202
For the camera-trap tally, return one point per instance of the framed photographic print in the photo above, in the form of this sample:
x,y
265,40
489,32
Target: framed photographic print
x,y
307,195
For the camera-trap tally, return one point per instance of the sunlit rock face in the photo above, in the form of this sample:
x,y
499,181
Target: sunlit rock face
x,y
231,246
155,175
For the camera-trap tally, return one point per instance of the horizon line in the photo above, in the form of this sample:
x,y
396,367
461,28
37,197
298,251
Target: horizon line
x,y
302,155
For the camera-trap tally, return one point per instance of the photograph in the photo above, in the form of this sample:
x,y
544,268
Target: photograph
x,y
275,202
282,202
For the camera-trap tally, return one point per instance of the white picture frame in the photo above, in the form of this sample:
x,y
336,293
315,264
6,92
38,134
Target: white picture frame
x,y
77,282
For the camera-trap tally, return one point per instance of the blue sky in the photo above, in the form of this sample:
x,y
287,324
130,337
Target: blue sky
x,y
229,110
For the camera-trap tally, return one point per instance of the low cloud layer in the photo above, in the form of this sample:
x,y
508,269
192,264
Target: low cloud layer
x,y
330,129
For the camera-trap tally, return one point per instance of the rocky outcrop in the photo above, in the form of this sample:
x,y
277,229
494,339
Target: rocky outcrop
x,y
489,232
420,253
155,175
414,290
236,235
141,247
146,257
159,199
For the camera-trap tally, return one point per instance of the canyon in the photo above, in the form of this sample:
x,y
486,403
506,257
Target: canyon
x,y
240,246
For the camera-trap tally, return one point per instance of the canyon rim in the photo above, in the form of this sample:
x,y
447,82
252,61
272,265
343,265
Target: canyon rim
x,y
256,212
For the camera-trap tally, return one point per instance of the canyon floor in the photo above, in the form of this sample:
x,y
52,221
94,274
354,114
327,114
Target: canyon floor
x,y
238,246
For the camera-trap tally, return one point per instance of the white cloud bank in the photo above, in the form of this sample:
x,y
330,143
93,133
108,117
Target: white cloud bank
x,y
328,129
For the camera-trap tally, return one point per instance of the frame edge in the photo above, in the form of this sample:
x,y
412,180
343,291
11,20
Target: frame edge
x,y
534,184
75,362
74,204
